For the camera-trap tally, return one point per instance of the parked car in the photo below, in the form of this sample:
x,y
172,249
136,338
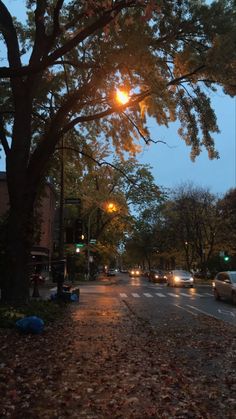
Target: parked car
x,y
111,272
224,286
179,278
135,272
156,275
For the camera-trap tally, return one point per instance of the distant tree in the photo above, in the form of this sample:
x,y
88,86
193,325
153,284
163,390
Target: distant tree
x,y
227,232
195,219
64,66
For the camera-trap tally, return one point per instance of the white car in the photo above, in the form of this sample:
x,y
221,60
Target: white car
x,y
224,286
179,278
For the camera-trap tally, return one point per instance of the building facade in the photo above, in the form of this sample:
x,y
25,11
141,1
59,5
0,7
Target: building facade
x,y
43,249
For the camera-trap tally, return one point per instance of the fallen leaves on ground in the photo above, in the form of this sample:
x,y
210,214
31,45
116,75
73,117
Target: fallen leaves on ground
x,y
103,362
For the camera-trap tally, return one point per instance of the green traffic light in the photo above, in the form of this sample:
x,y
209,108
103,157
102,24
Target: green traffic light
x,y
226,258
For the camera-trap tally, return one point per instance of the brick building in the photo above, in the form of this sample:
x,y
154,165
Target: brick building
x,y
42,250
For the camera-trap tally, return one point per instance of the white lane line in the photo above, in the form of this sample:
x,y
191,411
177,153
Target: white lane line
x,y
185,309
228,312
207,293
173,295
186,295
159,294
202,312
195,294
122,295
135,295
148,295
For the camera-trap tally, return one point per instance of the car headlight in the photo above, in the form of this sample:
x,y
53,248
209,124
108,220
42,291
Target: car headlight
x,y
137,272
191,279
213,283
156,276
132,272
177,278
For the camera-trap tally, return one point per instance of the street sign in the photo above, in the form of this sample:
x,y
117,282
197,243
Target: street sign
x,y
92,241
79,245
74,201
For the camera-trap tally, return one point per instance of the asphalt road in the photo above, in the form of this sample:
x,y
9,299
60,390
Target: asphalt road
x,y
154,302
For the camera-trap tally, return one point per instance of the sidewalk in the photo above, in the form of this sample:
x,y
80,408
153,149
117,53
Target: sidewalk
x,y
104,362
49,287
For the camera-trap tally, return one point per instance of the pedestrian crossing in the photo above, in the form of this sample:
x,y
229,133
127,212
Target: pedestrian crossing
x,y
165,295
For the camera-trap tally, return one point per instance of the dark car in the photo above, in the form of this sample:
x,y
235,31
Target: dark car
x,y
111,272
224,286
156,275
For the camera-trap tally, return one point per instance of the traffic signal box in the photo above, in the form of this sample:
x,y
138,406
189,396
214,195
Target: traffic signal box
x,y
78,231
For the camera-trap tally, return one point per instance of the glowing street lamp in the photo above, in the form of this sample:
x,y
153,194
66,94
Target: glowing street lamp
x,y
111,207
122,97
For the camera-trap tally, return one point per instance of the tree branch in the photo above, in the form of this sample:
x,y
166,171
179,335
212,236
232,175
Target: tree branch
x,y
102,163
107,17
3,137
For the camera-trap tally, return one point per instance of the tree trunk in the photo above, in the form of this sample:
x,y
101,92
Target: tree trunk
x,y
18,243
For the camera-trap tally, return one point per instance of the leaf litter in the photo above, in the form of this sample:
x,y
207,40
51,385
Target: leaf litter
x,y
118,365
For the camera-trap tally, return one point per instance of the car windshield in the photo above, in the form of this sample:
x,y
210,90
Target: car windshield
x,y
181,273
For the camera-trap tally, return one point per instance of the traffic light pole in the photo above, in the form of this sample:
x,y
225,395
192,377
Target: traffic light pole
x,y
88,242
88,249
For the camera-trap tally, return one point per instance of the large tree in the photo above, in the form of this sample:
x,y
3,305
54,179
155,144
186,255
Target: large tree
x,y
63,67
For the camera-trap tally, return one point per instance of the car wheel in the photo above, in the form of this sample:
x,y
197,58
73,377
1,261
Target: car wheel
x,y
216,295
234,297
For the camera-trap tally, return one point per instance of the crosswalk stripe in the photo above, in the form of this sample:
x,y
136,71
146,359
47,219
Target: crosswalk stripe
x,y
173,295
187,295
161,295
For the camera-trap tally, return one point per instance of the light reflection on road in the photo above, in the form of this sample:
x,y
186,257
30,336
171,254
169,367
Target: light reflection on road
x,y
135,281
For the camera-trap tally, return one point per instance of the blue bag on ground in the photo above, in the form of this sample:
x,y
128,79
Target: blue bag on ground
x,y
74,297
32,324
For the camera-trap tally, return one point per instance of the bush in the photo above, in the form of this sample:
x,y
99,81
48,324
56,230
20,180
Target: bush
x,y
48,311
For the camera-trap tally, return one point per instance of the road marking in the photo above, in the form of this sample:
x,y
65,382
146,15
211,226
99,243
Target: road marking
x,y
228,312
173,295
123,295
148,295
159,294
187,295
203,312
185,309
135,295
207,293
195,294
